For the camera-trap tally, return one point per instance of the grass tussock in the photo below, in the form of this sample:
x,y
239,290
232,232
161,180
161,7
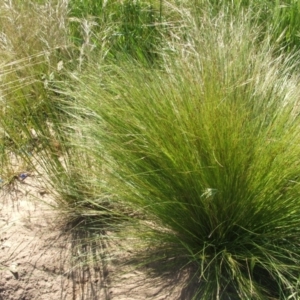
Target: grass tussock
x,y
53,36
119,28
32,43
205,148
281,18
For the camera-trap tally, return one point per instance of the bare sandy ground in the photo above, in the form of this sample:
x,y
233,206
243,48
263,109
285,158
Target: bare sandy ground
x,y
39,261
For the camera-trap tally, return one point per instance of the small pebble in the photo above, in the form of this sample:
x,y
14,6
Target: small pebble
x,y
14,270
23,176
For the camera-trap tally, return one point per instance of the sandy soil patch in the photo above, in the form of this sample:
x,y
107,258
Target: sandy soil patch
x,y
37,258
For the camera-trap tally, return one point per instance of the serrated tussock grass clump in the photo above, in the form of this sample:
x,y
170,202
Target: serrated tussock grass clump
x,y
206,148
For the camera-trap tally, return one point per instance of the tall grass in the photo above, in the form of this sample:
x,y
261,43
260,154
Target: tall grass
x,y
279,17
52,36
130,28
205,149
33,43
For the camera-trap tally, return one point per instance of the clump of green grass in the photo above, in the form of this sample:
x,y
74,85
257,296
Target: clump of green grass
x,y
281,17
123,28
34,50
32,43
33,121
205,149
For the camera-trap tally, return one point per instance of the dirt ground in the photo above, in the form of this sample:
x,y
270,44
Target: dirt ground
x,y
38,261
